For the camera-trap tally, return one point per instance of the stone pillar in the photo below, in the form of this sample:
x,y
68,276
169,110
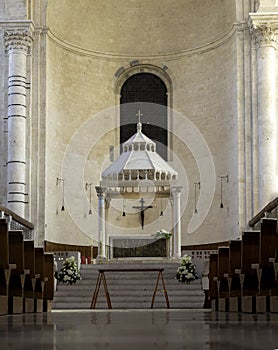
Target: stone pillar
x,y
264,28
18,44
101,223
176,193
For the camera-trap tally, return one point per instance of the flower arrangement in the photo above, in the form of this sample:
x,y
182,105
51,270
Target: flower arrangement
x,y
186,272
162,234
69,273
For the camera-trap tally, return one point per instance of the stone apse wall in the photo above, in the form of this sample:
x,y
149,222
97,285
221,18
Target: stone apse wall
x,y
80,56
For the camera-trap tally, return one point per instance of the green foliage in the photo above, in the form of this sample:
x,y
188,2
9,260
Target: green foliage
x,y
186,272
69,273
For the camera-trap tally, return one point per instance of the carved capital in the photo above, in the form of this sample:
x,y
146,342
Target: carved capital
x,y
100,191
18,40
264,30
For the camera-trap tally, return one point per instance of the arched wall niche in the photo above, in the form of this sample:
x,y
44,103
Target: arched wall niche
x,y
161,73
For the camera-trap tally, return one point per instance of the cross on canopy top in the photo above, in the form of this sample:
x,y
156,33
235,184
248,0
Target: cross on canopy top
x,y
139,115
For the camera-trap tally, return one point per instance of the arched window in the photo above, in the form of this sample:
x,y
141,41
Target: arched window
x,y
145,92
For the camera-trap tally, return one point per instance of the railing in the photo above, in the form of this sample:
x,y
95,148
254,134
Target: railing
x,y
269,211
17,223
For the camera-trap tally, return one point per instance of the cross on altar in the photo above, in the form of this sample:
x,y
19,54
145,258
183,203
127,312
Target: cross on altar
x,y
142,209
139,115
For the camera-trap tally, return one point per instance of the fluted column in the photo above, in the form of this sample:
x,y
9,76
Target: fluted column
x,y
264,28
176,193
101,223
18,44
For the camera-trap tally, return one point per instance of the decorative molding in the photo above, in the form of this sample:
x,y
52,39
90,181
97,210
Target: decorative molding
x,y
18,40
163,56
264,29
142,68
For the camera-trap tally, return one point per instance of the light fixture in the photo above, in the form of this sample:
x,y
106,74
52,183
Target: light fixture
x,y
161,211
226,177
197,185
58,180
123,208
89,185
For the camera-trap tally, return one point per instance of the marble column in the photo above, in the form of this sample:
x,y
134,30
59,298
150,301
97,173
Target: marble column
x,y
101,223
264,28
176,193
18,44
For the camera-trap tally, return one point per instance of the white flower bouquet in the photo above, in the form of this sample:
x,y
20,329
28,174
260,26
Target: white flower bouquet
x,y
186,272
162,234
69,273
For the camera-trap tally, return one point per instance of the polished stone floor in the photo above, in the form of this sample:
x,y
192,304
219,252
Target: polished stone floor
x,y
139,329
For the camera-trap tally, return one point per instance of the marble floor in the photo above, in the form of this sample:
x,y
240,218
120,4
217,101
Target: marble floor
x,y
139,329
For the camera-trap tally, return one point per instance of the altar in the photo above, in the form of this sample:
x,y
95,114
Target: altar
x,y
142,181
138,247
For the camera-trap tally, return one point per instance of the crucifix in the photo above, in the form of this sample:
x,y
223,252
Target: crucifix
x,y
139,115
142,209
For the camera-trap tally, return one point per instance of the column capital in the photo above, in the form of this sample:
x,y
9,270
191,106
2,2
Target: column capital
x,y
101,191
264,29
18,40
175,190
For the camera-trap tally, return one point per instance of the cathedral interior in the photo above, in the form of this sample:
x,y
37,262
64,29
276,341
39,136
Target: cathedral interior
x,y
133,133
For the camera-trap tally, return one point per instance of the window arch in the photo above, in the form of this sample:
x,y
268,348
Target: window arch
x,y
146,92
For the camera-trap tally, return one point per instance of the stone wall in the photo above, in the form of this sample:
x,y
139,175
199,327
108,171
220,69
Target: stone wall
x,y
81,52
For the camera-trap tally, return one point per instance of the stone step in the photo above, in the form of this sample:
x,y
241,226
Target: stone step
x,y
131,305
129,290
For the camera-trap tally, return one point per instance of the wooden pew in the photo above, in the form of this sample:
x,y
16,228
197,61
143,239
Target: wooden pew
x,y
223,277
235,276
250,267
17,279
269,247
213,281
49,285
30,279
5,267
40,281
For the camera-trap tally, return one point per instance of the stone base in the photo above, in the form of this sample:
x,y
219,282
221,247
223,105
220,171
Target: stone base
x,y
38,305
4,305
47,305
274,303
234,304
15,305
222,304
261,304
247,304
214,304
29,305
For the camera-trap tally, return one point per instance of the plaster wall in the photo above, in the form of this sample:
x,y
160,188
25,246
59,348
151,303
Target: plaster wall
x,y
204,90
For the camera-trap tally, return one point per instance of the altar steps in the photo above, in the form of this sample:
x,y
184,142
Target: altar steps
x,y
130,290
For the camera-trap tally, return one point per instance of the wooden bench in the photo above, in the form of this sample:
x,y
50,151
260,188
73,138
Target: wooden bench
x,y
213,281
101,278
18,275
5,267
49,285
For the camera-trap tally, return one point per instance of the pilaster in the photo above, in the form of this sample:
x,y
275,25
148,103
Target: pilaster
x,y
264,30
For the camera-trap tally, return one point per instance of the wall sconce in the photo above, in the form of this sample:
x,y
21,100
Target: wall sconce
x,y
221,191
123,208
161,211
197,185
86,188
58,180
